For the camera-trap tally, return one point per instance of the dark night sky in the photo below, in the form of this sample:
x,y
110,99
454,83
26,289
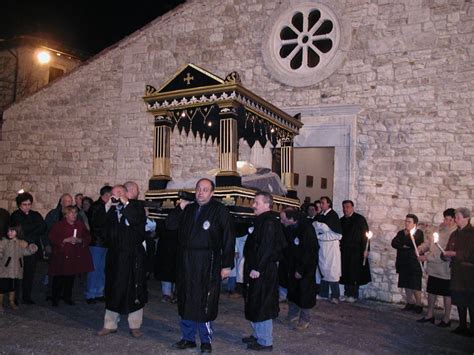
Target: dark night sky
x,y
89,26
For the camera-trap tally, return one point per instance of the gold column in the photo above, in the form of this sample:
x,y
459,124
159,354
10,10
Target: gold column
x,y
287,164
228,141
161,154
228,147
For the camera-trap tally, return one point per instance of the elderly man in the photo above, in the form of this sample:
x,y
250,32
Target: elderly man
x,y
206,243
261,252
302,262
460,250
125,281
353,242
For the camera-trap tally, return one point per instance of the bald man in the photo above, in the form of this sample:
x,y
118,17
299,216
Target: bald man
x,y
125,281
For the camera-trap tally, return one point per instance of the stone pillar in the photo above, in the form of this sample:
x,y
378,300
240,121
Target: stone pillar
x,y
287,166
161,153
228,148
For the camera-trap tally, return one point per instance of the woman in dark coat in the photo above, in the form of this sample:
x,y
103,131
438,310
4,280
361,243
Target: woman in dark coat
x,y
407,264
302,262
460,250
71,256
34,231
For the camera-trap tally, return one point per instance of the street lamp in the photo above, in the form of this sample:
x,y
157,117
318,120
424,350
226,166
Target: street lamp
x,y
43,57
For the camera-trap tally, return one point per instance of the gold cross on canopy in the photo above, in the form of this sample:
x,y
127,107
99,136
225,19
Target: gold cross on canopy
x,y
188,78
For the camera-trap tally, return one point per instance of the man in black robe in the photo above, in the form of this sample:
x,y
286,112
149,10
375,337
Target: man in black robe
x,y
353,243
206,245
302,262
125,280
262,251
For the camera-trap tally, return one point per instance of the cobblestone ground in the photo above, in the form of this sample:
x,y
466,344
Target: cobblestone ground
x,y
363,327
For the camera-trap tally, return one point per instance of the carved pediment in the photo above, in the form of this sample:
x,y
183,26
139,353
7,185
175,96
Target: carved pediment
x,y
190,77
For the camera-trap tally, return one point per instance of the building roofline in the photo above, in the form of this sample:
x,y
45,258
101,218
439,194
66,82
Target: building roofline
x,y
53,46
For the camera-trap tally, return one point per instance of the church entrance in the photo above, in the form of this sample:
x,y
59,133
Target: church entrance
x,y
314,172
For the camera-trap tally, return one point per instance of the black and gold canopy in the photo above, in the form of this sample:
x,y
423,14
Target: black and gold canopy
x,y
193,99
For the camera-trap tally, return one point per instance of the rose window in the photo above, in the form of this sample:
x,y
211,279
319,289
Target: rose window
x,y
305,44
305,39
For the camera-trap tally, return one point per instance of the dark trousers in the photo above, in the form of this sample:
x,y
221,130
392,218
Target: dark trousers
x,y
29,268
62,286
462,312
351,291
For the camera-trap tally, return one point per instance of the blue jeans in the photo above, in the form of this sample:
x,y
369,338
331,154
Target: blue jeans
x,y
263,332
324,289
282,293
231,283
96,278
189,328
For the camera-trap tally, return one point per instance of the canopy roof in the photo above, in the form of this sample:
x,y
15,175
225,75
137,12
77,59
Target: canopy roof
x,y
193,98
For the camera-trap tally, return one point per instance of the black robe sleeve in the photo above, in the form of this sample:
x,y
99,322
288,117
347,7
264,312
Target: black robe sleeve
x,y
228,239
310,248
174,219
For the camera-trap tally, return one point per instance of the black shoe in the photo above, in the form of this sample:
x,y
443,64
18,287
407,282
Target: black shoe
x,y
184,344
70,302
206,348
28,301
91,301
443,324
408,307
418,310
249,340
55,303
426,320
460,331
258,347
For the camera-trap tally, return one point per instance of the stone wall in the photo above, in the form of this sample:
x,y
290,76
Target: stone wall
x,y
409,67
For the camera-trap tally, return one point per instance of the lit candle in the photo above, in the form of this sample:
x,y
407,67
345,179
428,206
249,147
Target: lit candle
x,y
74,235
436,241
369,235
412,237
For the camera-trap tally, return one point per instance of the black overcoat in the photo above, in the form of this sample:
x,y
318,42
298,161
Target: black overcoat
x,y
353,242
125,279
262,251
406,261
303,258
206,244
166,249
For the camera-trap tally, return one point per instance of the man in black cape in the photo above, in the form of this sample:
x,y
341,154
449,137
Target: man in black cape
x,y
125,280
353,242
262,251
302,262
206,247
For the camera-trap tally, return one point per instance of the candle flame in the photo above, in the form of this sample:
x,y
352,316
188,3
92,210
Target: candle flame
x,y
369,234
412,231
21,191
436,237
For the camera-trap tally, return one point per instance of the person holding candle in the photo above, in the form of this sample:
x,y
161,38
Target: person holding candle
x,y
70,241
438,270
460,250
407,264
354,248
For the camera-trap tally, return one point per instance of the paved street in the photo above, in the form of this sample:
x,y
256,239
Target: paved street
x,y
365,327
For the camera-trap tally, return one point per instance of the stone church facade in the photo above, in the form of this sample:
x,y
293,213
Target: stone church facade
x,y
388,83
